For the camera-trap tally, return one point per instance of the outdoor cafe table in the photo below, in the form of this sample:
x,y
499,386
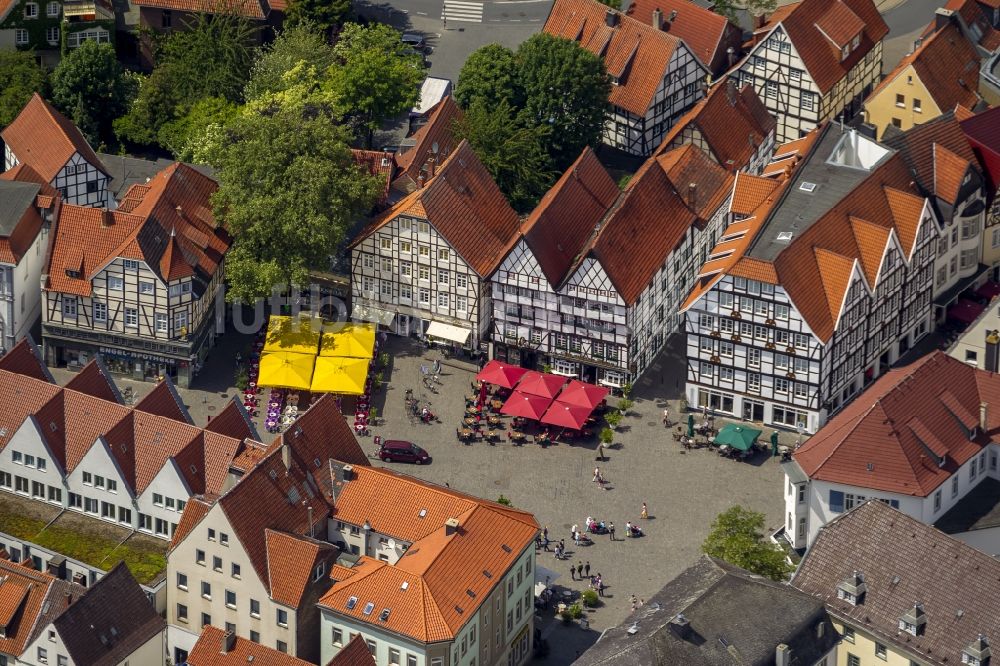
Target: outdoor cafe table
x,y
472,410
471,422
496,405
465,433
518,437
494,420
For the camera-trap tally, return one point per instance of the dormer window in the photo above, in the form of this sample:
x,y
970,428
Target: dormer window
x,y
846,51
856,42
913,621
853,589
977,653
72,273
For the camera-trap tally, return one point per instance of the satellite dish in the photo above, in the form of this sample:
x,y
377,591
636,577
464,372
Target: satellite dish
x,y
434,147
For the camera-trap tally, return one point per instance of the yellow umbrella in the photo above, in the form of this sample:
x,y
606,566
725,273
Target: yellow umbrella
x,y
354,340
300,335
286,370
337,374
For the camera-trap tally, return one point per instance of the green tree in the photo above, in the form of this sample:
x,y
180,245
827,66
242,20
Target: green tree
x,y
731,8
288,189
90,87
737,537
299,43
614,4
374,78
512,153
566,88
205,115
489,75
20,76
326,15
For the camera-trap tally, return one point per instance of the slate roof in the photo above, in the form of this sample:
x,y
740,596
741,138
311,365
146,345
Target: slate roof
x,y
818,29
465,206
45,140
983,132
947,64
29,600
975,15
20,221
904,561
251,9
109,621
735,618
706,33
634,52
166,223
126,171
734,123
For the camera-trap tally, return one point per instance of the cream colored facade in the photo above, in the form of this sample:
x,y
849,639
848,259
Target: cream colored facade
x,y
904,102
866,648
48,649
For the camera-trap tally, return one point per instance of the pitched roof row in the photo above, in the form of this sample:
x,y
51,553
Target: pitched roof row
x,y
216,647
976,21
434,141
706,33
251,9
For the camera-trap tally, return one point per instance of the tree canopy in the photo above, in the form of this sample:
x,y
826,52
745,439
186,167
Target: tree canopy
x,y
374,77
489,75
326,15
288,187
90,87
738,537
20,76
298,43
731,8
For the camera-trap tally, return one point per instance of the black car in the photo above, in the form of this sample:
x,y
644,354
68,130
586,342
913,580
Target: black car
x,y
397,450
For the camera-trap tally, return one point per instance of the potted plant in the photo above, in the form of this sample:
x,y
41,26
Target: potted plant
x,y
546,368
613,418
624,405
683,406
607,436
241,379
378,380
383,359
574,612
372,415
590,599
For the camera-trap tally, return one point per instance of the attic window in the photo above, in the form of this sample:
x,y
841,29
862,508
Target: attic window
x,y
351,603
273,474
459,610
3,432
506,548
369,607
807,187
913,621
614,80
71,273
384,615
317,462
785,236
385,161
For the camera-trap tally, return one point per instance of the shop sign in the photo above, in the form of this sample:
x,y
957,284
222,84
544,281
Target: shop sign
x,y
119,353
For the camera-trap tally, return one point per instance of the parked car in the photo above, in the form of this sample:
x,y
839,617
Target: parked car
x,y
415,42
397,450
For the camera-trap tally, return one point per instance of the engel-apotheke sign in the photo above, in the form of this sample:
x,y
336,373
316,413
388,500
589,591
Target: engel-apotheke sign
x,y
108,351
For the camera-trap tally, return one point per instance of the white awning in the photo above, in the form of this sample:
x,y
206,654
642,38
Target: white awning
x,y
362,312
448,332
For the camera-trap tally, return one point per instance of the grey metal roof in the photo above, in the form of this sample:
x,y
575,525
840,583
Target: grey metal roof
x,y
735,618
794,472
798,210
15,198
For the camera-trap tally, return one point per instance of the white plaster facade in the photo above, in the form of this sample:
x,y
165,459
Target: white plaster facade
x,y
79,182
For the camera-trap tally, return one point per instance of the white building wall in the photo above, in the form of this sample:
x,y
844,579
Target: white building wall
x,y
29,469
27,293
162,502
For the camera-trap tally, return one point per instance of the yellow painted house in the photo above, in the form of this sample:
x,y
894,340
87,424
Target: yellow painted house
x,y
942,72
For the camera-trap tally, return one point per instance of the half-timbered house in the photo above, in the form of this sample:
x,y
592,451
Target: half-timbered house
x,y
593,285
983,133
655,76
422,267
139,284
823,277
45,140
731,125
815,60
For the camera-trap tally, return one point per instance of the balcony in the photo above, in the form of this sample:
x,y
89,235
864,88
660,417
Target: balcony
x,y
79,11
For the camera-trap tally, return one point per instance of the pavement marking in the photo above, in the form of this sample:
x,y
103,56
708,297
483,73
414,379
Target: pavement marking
x,y
469,12
519,2
421,13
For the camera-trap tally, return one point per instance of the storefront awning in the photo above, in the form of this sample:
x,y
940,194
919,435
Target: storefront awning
x,y
362,312
448,332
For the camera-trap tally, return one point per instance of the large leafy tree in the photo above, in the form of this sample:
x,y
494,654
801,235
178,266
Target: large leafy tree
x,y
90,86
511,152
299,43
731,8
326,15
205,115
737,537
489,75
288,188
20,76
565,87
374,77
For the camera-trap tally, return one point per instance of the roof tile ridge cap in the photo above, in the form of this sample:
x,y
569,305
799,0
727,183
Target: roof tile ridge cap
x,y
49,111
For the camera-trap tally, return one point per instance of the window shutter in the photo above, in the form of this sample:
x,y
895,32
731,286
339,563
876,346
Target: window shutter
x,y
836,501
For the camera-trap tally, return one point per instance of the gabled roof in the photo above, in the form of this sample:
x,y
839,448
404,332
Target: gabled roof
x,y
733,122
167,223
904,434
196,509
439,129
210,651
95,380
635,53
562,223
233,421
163,400
947,64
29,600
109,622
465,206
20,220
983,132
818,29
45,140
24,359
904,561
938,152
291,560
701,29
251,9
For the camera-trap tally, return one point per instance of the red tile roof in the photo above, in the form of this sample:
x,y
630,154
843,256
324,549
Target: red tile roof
x,y
634,52
354,654
210,651
166,223
94,380
706,33
976,18
291,560
252,9
23,359
439,129
734,123
29,600
44,139
983,133
904,434
562,223
938,152
377,163
465,206
194,511
814,26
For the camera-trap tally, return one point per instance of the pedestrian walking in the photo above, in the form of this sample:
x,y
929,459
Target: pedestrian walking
x,y
666,417
586,569
545,532
600,585
645,514
635,602
611,530
597,474
579,567
562,545
572,571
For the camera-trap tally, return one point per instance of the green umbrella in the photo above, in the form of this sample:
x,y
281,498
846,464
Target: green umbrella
x,y
774,443
690,425
737,436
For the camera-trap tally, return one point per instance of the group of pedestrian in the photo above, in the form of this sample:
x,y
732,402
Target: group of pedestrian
x,y
637,603
581,568
597,583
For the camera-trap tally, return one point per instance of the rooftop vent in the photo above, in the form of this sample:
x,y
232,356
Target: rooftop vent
x,y
351,603
634,629
913,620
384,615
487,573
784,236
369,607
977,652
423,513
470,593
853,589
807,187
680,626
405,585
451,526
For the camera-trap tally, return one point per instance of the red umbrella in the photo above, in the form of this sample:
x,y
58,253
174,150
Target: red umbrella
x,y
500,373
528,406
541,383
567,416
583,394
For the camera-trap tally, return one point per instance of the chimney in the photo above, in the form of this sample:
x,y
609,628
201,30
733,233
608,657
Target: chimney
x,y
107,218
451,526
759,20
69,598
286,456
611,18
693,195
658,19
984,422
942,17
992,361
730,57
731,91
346,473
430,166
421,179
680,626
782,655
180,212
672,17
228,642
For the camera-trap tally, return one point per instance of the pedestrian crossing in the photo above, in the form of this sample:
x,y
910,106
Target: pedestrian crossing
x,y
469,12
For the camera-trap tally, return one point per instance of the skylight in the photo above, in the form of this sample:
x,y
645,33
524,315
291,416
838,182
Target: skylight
x,y
351,603
369,607
784,236
808,187
384,615
423,513
405,585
